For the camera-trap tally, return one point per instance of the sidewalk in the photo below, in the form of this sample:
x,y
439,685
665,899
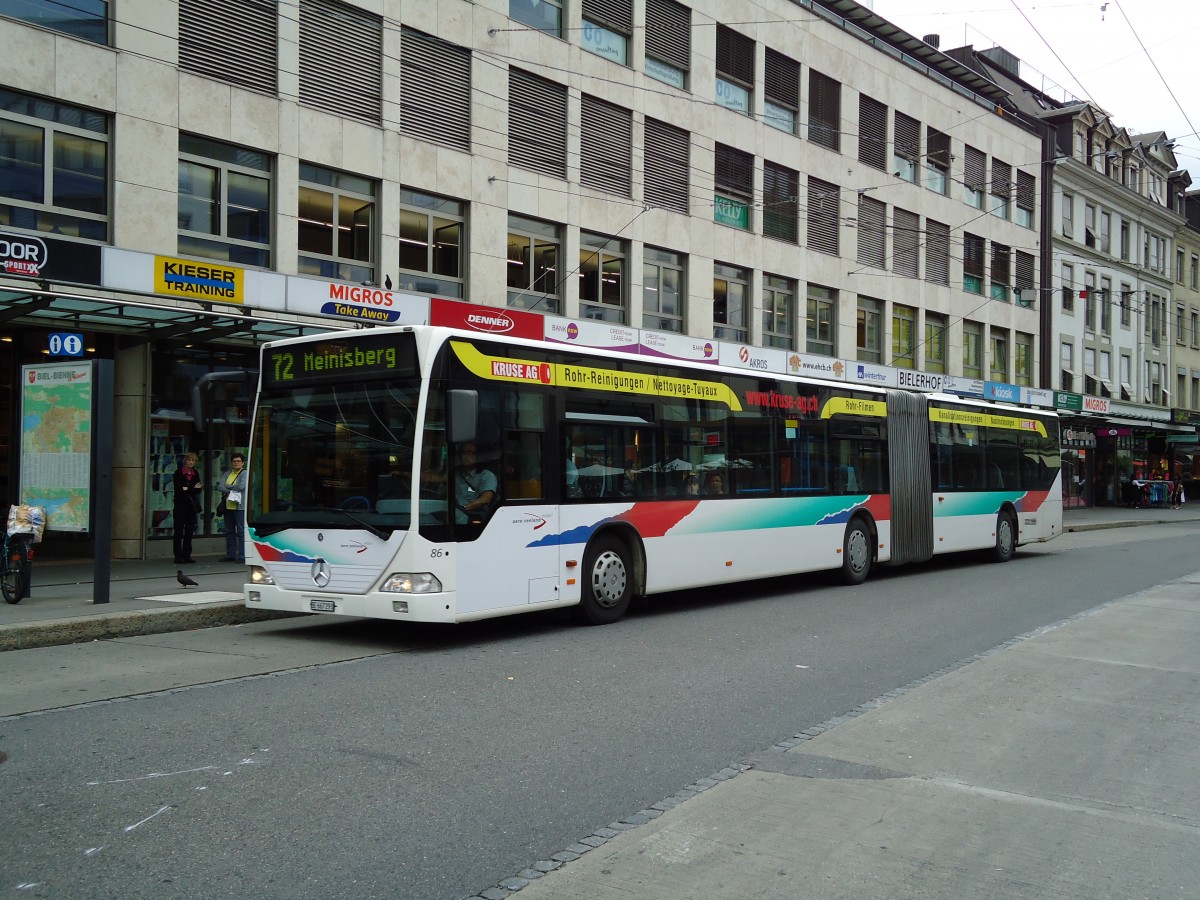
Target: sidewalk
x,y
60,610
144,598
1059,765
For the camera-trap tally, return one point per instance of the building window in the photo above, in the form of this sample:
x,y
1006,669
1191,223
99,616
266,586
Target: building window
x,y
937,162
734,182
870,329
822,320
1001,271
1105,232
668,41
904,336
537,123
872,224
735,70
935,342
781,206
336,225
664,294
533,251
1066,363
1001,189
1089,225
1126,302
602,278
543,15
1194,280
972,264
779,312
937,252
1195,329
824,110
1126,377
247,53
348,83
435,90
1106,305
84,19
1026,290
872,132
667,161
1124,240
1068,216
606,147
1023,361
781,91
1180,325
1068,288
224,202
823,216
607,26
1089,301
1026,199
974,176
972,349
1179,257
53,167
731,300
906,243
432,235
907,150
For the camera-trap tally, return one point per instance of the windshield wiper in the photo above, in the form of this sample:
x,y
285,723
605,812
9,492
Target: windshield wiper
x,y
264,529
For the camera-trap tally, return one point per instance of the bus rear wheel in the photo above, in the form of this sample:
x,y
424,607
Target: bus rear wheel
x,y
856,553
1006,538
607,586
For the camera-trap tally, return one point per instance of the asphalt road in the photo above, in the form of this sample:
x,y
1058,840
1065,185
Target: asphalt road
x,y
316,757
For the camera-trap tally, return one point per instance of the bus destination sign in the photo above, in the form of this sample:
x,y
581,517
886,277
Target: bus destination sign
x,y
339,359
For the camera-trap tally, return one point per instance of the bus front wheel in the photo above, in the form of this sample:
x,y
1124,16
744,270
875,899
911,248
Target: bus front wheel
x,y
1006,538
856,553
607,586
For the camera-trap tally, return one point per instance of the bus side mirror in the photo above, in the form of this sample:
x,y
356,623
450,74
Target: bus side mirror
x,y
462,415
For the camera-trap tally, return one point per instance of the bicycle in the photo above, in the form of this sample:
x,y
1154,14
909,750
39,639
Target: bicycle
x,y
17,567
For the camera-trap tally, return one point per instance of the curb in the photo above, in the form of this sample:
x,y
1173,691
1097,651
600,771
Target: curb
x,y
79,629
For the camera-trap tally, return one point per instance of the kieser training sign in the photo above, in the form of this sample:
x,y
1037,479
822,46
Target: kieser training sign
x,y
193,280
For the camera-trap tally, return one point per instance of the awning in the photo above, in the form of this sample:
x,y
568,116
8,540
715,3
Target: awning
x,y
154,319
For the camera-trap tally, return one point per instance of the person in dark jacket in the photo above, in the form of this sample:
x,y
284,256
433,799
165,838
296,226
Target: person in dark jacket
x,y
188,502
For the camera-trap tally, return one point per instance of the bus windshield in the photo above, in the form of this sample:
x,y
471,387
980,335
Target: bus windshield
x,y
334,455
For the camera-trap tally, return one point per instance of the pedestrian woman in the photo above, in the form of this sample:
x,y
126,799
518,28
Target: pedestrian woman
x,y
188,502
233,501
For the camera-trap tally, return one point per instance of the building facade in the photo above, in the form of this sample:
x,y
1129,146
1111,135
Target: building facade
x,y
796,175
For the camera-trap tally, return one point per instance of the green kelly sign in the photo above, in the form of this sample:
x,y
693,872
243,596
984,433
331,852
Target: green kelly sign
x,y
1063,400
731,212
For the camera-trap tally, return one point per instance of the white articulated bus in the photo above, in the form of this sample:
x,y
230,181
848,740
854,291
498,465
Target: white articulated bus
x,y
431,475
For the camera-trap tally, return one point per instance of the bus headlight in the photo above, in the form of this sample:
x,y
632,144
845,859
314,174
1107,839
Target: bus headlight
x,y
259,575
412,583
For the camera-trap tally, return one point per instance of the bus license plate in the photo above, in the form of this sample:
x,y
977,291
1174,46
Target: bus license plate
x,y
322,606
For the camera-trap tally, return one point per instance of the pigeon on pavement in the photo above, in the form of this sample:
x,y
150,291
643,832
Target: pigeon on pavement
x,y
183,579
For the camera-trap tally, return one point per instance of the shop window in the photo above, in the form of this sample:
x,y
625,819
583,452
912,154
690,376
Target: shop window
x,y
435,90
664,295
607,28
668,41
533,252
731,302
336,225
542,15
224,202
781,92
432,234
606,146
667,161
781,207
735,70
537,124
346,83
602,278
821,327
870,329
53,167
247,53
779,312
173,433
734,182
84,19
823,216
824,110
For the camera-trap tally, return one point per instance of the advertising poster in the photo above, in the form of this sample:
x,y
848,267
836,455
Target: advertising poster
x,y
56,442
